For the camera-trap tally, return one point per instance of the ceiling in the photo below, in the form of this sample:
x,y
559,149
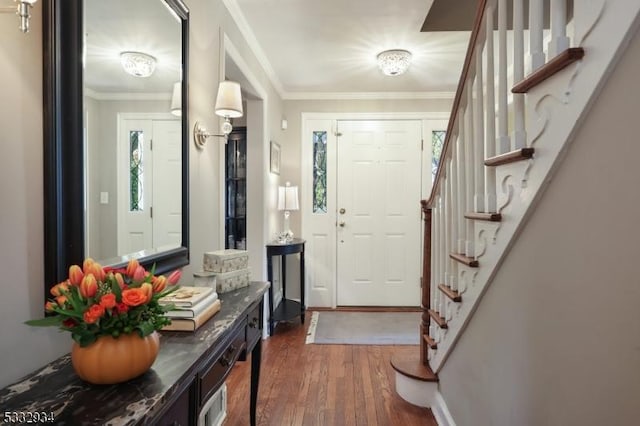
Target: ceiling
x,y
328,48
114,26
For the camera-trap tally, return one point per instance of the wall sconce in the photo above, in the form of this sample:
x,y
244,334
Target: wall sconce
x,y
22,10
228,105
176,99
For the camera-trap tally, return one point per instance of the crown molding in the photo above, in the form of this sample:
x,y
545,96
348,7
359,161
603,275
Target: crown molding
x,y
366,95
246,31
123,96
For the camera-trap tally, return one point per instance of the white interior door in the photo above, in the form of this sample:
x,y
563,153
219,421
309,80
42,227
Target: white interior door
x,y
134,184
378,213
167,183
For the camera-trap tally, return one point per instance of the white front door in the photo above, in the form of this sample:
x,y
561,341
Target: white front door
x,y
378,213
134,181
167,183
149,184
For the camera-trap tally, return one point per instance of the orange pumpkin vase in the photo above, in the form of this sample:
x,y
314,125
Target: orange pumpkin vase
x,y
112,360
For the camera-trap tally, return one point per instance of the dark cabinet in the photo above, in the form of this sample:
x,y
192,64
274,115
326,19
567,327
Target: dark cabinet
x,y
236,190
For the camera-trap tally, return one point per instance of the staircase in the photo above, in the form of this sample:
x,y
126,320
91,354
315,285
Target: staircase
x,y
526,84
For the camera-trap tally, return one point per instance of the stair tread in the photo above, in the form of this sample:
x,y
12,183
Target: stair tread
x,y
429,341
469,261
491,217
510,157
450,293
410,366
441,321
562,60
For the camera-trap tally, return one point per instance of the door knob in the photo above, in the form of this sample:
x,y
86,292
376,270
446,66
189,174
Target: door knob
x,y
342,211
341,224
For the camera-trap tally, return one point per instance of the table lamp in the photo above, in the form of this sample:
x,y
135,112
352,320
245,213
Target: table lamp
x,y
287,201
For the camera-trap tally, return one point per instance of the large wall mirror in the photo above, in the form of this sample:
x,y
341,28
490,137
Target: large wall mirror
x,y
116,149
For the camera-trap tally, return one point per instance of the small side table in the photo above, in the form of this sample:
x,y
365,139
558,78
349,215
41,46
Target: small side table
x,y
287,309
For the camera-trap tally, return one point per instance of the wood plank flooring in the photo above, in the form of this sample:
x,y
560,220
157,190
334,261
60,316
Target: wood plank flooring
x,y
321,385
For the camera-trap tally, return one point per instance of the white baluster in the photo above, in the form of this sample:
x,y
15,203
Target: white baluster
x,y
435,250
536,50
444,255
456,208
478,140
490,125
461,180
447,222
468,129
453,276
559,40
519,135
503,113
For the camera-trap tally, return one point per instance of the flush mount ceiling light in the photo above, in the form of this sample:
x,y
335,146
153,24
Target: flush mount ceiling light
x,y
394,62
138,64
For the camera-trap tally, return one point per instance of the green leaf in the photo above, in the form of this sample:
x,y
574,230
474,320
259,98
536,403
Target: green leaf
x,y
84,338
145,328
115,288
45,322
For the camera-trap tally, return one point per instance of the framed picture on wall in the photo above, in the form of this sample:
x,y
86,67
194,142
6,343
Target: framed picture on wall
x,y
274,165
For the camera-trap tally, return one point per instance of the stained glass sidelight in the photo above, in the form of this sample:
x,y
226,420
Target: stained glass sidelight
x,y
320,172
437,141
136,139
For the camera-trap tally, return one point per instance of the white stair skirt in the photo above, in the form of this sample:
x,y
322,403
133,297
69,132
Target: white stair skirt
x,y
416,392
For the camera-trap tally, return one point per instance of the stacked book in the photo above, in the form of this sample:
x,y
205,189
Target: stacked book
x,y
193,306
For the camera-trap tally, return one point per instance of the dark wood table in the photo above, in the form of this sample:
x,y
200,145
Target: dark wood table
x,y
287,309
190,367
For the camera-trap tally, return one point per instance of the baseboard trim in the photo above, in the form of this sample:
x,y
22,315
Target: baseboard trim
x,y
441,411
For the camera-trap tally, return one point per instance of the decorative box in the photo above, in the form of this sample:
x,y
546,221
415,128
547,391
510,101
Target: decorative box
x,y
225,260
229,281
204,279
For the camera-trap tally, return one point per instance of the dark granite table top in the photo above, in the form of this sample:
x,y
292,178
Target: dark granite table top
x,y
56,389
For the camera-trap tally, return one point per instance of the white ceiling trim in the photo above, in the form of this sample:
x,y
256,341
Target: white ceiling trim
x,y
366,95
124,96
252,41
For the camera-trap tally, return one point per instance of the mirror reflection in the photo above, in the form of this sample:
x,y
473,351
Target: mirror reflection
x,y
132,127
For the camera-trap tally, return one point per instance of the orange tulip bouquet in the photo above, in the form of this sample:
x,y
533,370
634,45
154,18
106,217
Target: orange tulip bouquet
x,y
96,301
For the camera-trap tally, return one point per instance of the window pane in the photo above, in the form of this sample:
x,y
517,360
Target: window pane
x,y
437,141
136,139
320,172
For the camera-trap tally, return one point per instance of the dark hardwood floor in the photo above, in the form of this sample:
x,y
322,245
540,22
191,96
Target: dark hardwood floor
x,y
321,385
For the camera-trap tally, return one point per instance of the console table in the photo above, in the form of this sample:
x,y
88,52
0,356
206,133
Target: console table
x,y
190,367
287,309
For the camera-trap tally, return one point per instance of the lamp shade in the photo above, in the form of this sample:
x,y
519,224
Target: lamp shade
x,y
229,100
176,99
288,197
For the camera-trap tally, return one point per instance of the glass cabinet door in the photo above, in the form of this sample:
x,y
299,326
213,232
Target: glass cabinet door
x,y
236,189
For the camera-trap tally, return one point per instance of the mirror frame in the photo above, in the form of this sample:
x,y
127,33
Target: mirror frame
x,y
63,156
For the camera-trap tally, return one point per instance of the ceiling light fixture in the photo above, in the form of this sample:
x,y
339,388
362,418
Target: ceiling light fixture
x,y
138,64
394,62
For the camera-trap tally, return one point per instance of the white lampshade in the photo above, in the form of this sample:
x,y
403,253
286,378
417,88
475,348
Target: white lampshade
x,y
288,197
176,99
229,100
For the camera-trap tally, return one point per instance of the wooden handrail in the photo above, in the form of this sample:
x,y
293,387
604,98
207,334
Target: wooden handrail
x,y
482,4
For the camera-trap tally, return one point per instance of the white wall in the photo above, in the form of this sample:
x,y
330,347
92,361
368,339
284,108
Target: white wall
x,y
21,223
556,338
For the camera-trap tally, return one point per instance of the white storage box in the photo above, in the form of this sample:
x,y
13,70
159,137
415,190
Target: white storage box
x,y
204,279
225,260
229,281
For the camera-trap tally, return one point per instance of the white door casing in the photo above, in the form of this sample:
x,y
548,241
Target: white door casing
x,y
378,233
158,222
320,229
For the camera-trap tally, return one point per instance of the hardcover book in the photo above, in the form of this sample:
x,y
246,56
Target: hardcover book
x,y
186,297
192,324
193,311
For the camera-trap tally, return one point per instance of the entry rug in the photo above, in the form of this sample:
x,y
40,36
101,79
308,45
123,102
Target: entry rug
x,y
364,328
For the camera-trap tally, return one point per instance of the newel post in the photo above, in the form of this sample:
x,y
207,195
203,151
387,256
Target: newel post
x,y
426,282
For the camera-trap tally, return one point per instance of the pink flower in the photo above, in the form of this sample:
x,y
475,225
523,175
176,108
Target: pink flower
x,y
174,277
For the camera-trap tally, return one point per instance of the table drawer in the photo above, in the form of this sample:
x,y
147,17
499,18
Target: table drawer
x,y
212,376
254,326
